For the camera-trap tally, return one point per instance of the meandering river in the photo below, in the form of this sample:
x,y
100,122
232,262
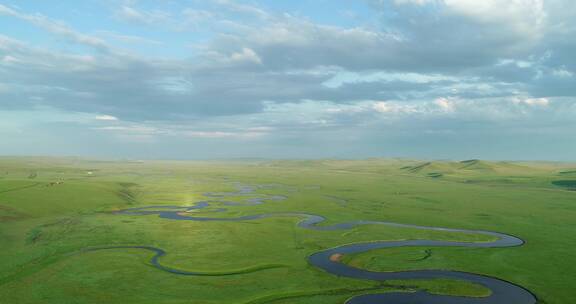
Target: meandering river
x,y
502,292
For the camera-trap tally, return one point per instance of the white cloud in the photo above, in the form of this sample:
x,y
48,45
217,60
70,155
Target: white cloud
x,y
56,27
250,10
524,17
221,134
195,16
343,77
499,9
533,102
445,104
437,106
130,39
106,118
9,60
562,73
4,10
174,85
132,14
417,2
246,55
518,63
390,107
138,129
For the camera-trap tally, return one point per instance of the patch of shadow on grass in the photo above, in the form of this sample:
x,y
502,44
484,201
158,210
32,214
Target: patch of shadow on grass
x,y
36,234
425,200
566,184
567,172
434,175
126,193
427,255
333,292
11,214
20,188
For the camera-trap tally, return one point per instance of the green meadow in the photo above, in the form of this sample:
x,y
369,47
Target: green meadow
x,y
55,211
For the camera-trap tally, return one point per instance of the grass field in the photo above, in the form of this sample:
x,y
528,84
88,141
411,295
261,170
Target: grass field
x,y
53,209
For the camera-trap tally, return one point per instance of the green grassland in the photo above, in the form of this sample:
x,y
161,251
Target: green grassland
x,y
53,209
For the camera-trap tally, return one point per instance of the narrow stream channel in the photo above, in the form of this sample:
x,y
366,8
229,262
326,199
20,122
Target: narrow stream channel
x,y
502,292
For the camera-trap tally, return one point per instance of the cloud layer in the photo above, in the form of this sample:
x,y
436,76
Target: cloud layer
x,y
389,77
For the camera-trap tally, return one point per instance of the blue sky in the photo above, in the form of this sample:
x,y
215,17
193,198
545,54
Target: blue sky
x,y
195,79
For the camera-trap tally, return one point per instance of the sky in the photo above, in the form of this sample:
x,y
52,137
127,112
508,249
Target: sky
x,y
201,79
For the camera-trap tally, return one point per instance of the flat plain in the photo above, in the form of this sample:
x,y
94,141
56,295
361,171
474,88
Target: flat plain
x,y
64,240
